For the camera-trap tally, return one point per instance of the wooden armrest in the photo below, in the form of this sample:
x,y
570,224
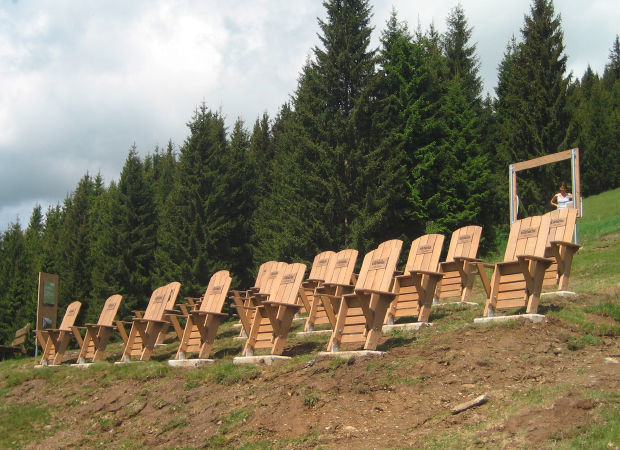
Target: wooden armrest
x,y
565,244
149,320
373,291
291,305
172,311
100,326
207,313
426,272
465,258
398,273
535,258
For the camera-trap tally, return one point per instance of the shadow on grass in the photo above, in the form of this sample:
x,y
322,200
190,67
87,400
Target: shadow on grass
x,y
396,341
304,348
233,350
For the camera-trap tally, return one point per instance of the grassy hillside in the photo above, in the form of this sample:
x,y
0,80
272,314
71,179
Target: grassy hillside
x,y
549,385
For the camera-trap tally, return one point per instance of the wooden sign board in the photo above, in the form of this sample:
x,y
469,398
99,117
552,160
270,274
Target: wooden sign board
x,y
47,305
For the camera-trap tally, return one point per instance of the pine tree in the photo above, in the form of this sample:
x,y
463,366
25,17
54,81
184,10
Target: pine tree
x,y
461,59
14,268
136,227
532,104
200,217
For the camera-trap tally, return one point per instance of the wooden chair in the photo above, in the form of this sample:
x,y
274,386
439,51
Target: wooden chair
x,y
274,315
54,341
318,272
97,335
416,287
560,247
340,280
245,304
145,331
460,267
518,280
362,313
202,324
18,345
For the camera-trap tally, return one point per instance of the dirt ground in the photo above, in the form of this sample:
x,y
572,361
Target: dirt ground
x,y
539,388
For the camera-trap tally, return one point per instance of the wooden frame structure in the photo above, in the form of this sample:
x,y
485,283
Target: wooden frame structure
x,y
572,154
97,335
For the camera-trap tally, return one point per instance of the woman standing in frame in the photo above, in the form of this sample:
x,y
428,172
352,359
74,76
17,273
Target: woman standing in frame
x,y
562,199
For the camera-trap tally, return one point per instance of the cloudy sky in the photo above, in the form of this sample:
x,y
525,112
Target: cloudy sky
x,y
81,81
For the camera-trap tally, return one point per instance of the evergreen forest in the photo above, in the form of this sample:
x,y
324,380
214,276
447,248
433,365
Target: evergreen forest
x,y
374,144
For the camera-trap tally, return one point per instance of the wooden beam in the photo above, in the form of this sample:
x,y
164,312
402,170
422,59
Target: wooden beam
x,y
555,157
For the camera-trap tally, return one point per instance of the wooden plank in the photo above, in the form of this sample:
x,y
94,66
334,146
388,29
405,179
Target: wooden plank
x,y
541,161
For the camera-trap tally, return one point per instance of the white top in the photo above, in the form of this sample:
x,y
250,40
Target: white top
x,y
563,201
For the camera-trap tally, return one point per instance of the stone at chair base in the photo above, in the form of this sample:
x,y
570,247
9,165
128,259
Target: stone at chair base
x,y
559,294
536,318
313,333
267,360
350,354
190,363
240,338
82,365
405,326
46,366
236,326
438,305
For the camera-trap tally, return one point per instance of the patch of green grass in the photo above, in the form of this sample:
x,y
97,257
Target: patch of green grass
x,y
602,434
234,418
311,399
541,394
583,340
607,309
577,315
228,373
141,371
177,421
21,424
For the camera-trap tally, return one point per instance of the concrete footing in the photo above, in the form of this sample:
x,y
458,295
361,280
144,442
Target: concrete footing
x,y
46,366
536,318
405,326
82,365
236,326
267,360
435,305
314,333
559,294
240,338
350,354
190,363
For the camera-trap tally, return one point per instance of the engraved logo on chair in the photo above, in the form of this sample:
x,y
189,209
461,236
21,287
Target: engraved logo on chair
x,y
111,306
342,263
379,263
272,275
528,232
218,289
465,239
323,262
424,249
158,299
286,279
555,223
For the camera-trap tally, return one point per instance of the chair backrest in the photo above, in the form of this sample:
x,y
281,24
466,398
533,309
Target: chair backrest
x,y
341,267
464,242
378,268
21,335
108,313
286,284
320,266
528,237
267,283
70,315
561,225
425,253
163,298
215,294
263,270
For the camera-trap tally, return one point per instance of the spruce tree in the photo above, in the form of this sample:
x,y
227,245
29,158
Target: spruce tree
x,y
532,104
